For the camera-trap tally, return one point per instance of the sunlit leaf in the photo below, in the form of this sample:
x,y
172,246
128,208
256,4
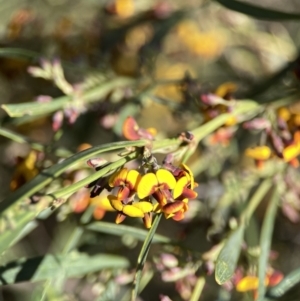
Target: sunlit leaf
x,y
229,255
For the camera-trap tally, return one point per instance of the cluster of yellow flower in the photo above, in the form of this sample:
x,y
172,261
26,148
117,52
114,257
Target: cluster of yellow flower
x,y
284,138
161,191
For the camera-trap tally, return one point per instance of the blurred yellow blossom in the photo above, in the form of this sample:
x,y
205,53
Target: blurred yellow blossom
x,y
101,204
206,44
259,152
284,113
169,71
25,170
226,89
124,8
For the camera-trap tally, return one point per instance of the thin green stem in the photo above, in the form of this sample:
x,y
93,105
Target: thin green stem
x,y
265,242
197,291
260,192
143,256
64,153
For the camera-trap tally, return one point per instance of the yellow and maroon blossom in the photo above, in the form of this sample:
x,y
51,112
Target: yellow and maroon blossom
x,y
162,190
185,184
127,181
157,184
126,207
176,204
176,209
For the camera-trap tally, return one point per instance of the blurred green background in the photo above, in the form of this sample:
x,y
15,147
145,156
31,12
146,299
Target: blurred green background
x,y
158,44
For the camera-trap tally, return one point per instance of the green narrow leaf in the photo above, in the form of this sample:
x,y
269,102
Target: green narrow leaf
x,y
265,243
58,280
19,230
286,284
120,230
258,12
229,255
143,256
45,267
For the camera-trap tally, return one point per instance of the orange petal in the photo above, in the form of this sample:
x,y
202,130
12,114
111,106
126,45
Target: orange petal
x,y
294,162
180,185
80,200
297,136
259,152
98,213
291,152
120,218
259,164
160,197
178,216
83,146
133,178
189,193
144,206
147,185
132,211
275,278
118,178
115,202
166,177
171,208
130,128
123,193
